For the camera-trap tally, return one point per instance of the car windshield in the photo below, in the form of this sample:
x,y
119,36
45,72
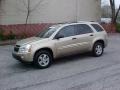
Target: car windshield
x,y
47,33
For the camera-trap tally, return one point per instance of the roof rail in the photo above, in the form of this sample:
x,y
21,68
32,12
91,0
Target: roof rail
x,y
85,21
74,22
67,22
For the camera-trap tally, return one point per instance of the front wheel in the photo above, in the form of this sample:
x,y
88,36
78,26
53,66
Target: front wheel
x,y
43,59
98,49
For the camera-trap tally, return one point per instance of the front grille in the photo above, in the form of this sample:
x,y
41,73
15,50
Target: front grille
x,y
16,48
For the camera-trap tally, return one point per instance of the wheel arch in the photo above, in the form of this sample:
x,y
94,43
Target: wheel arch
x,y
45,48
100,41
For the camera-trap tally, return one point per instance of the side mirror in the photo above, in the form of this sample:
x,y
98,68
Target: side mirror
x,y
59,36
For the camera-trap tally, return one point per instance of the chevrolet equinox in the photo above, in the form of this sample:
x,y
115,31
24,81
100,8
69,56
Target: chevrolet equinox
x,y
61,40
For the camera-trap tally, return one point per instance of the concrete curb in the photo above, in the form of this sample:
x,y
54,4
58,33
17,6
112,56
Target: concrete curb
x,y
8,42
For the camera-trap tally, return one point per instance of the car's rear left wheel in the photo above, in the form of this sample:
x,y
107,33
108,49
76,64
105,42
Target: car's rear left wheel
x,y
98,49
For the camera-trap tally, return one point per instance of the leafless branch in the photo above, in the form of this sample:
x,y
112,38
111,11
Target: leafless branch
x,y
23,1
31,9
21,8
37,5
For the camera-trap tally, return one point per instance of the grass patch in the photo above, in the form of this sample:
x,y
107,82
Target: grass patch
x,y
10,36
118,27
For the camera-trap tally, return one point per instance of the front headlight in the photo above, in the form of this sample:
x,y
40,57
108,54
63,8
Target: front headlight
x,y
25,49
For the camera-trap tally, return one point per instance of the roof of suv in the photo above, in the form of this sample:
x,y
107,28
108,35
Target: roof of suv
x,y
88,22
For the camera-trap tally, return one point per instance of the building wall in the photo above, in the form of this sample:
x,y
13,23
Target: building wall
x,y
50,11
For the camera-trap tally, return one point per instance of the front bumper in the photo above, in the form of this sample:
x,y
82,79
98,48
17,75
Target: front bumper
x,y
22,57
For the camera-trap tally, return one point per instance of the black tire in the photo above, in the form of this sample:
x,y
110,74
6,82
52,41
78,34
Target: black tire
x,y
37,59
95,51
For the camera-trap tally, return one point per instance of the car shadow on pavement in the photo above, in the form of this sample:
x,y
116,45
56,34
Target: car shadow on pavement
x,y
23,66
72,58
66,59
58,61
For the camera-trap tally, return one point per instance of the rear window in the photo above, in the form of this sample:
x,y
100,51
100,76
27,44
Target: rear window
x,y
97,27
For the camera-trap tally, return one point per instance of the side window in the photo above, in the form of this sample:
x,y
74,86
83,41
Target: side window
x,y
67,31
97,27
82,29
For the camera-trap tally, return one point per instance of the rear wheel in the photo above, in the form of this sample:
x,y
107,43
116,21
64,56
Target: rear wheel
x,y
98,49
43,59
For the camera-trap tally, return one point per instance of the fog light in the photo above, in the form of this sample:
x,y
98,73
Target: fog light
x,y
22,57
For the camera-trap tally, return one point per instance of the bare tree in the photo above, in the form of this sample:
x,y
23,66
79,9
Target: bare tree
x,y
114,11
30,9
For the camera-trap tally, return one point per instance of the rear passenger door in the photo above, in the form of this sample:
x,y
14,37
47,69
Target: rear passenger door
x,y
84,35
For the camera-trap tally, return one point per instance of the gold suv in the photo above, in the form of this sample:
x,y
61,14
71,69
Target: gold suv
x,y
61,40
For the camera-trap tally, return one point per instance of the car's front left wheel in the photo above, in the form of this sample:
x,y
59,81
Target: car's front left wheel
x,y
43,59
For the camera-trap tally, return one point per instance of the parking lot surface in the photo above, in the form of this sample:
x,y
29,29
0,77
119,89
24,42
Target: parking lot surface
x,y
79,72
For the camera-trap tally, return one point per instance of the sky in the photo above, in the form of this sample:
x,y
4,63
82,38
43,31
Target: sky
x,y
107,2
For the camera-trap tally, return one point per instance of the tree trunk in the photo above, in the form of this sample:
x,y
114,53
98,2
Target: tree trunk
x,y
28,11
117,13
113,10
27,17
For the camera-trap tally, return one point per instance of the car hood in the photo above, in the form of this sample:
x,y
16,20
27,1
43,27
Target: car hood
x,y
29,40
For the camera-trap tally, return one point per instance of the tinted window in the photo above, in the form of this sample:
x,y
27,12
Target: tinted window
x,y
82,29
97,27
67,31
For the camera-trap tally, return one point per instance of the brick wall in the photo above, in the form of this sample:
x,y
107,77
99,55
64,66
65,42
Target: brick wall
x,y
110,28
21,30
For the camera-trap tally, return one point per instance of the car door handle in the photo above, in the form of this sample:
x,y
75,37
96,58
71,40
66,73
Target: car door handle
x,y
91,35
74,38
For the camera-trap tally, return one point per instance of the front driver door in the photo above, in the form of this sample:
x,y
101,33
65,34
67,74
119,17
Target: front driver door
x,y
66,44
